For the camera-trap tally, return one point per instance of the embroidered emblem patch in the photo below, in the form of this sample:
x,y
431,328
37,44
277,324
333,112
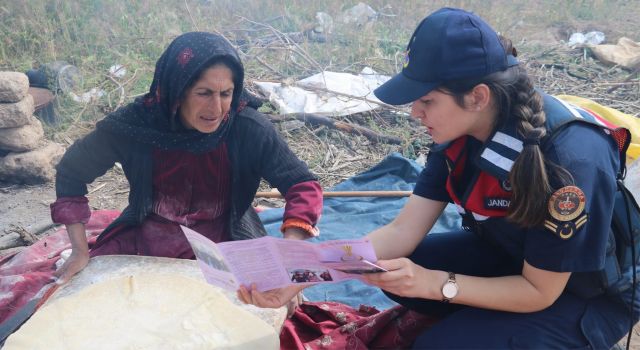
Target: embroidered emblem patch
x,y
567,203
566,207
406,58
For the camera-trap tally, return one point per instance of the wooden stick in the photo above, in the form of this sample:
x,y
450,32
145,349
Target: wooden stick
x,y
333,194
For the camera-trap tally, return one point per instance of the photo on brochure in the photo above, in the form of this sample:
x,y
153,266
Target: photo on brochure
x,y
300,275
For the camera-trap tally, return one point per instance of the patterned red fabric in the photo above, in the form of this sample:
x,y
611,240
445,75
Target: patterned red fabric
x,y
28,271
70,210
331,325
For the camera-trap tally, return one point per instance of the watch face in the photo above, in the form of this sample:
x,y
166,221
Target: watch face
x,y
449,290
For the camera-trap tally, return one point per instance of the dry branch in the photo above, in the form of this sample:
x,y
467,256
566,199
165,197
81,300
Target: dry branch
x,y
27,237
628,79
317,120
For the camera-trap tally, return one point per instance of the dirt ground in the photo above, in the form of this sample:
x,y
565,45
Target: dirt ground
x,y
26,207
23,208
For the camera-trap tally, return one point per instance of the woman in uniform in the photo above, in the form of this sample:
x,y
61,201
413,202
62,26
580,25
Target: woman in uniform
x,y
534,179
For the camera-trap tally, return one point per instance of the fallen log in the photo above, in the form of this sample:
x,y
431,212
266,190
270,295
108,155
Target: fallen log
x,y
317,120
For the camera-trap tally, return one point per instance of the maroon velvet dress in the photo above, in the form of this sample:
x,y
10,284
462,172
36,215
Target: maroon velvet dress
x,y
191,190
188,189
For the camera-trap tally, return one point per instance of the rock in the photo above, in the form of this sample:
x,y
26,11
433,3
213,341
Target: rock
x,y
324,23
31,167
23,138
13,87
359,14
16,114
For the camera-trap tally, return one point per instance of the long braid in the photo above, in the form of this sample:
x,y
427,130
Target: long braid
x,y
528,176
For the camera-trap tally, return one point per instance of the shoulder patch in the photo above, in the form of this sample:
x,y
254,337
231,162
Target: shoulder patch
x,y
565,230
566,207
567,203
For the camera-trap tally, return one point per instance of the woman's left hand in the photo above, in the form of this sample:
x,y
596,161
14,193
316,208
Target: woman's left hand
x,y
405,278
295,233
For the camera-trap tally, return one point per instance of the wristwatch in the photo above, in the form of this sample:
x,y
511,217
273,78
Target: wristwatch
x,y
449,288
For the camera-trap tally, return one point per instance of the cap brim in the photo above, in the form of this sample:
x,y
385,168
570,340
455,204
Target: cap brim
x,y
401,90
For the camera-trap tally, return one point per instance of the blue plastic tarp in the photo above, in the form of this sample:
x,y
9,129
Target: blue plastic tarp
x,y
353,217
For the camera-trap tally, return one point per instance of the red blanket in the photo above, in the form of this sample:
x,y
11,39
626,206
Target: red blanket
x,y
28,271
330,325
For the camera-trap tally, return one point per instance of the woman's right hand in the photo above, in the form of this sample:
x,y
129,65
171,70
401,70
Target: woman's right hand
x,y
74,264
79,257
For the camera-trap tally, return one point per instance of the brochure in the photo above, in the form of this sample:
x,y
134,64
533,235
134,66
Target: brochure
x,y
272,262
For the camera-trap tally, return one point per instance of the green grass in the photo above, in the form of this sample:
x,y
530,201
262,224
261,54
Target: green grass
x,y
95,34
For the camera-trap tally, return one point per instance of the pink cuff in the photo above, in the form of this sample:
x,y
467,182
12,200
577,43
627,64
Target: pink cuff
x,y
304,203
70,210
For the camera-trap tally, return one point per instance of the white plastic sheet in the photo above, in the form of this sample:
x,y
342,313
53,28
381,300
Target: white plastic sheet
x,y
310,95
589,39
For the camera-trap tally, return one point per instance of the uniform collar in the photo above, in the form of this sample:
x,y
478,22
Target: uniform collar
x,y
497,155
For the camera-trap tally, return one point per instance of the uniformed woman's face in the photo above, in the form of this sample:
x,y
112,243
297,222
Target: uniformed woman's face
x,y
446,121
208,101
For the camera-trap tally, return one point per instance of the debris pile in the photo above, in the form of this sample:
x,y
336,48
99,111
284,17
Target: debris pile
x,y
25,155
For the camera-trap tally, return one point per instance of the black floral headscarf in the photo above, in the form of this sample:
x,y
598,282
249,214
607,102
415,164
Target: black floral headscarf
x,y
152,119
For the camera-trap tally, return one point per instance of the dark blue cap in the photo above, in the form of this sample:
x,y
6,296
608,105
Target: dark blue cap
x,y
449,44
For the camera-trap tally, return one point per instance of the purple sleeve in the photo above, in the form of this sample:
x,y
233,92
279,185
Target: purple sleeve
x,y
304,202
70,210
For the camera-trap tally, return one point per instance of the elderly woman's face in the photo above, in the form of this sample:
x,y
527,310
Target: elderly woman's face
x,y
207,103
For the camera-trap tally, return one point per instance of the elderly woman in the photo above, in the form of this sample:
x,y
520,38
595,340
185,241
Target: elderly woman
x,y
194,153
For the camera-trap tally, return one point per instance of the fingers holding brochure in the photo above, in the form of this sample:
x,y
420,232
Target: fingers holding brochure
x,y
274,298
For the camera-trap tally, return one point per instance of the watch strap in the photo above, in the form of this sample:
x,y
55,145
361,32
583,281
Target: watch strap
x,y
450,280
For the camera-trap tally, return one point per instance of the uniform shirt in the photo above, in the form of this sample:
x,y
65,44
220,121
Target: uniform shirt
x,y
592,159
